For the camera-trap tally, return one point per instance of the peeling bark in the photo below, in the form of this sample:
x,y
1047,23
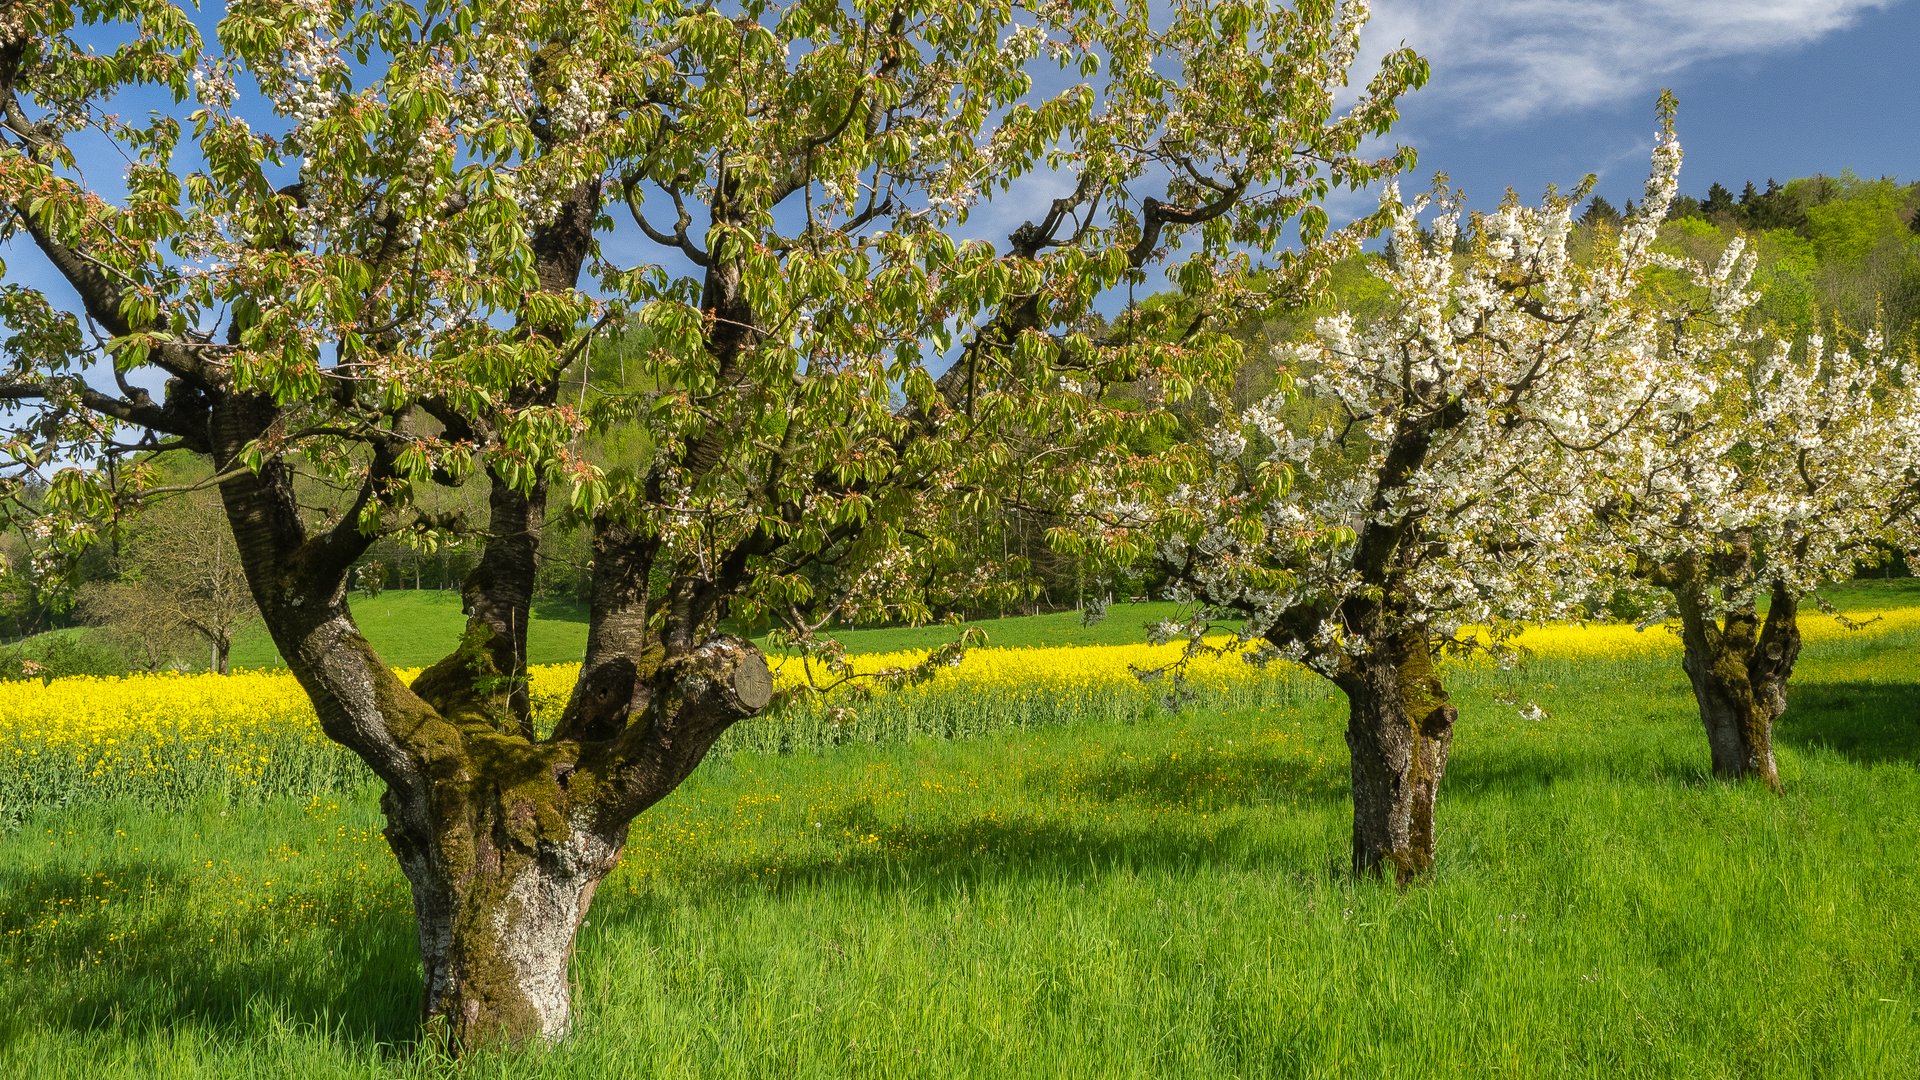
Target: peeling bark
x,y
1399,732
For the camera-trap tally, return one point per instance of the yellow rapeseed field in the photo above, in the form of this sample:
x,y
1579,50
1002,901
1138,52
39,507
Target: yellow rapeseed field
x,y
1613,640
176,737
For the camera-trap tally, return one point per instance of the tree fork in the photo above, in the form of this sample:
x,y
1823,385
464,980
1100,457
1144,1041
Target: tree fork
x,y
1738,667
503,865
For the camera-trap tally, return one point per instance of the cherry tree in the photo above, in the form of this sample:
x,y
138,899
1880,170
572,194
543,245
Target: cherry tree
x,y
361,246
1421,486
1764,469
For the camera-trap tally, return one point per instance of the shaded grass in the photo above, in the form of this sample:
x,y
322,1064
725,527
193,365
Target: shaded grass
x,y
1158,898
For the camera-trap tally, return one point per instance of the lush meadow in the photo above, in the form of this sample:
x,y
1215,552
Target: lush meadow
x,y
1105,887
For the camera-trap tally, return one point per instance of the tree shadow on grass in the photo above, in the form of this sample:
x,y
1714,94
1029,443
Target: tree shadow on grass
x,y
166,951
1865,722
1124,816
970,854
560,609
1518,772
175,960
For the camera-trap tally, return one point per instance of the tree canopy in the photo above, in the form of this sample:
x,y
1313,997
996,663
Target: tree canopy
x,y
878,254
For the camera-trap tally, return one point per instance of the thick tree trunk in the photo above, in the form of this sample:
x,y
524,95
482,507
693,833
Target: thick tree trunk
x,y
501,883
1399,731
1739,667
502,836
506,840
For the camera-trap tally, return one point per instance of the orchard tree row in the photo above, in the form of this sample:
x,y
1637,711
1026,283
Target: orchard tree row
x,y
1517,435
885,268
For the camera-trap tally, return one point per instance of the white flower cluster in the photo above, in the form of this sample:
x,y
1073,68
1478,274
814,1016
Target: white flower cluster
x,y
13,23
213,84
1759,463
1444,454
579,107
311,78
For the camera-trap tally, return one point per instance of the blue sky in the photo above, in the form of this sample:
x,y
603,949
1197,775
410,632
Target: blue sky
x,y
1527,92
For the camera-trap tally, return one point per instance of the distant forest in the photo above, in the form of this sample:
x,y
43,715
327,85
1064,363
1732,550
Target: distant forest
x,y
1836,253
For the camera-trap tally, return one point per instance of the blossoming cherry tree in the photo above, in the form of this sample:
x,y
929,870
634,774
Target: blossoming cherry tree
x,y
1762,470
1420,488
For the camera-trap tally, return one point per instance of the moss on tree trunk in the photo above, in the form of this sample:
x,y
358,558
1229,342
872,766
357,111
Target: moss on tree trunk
x,y
503,856
1399,733
1738,665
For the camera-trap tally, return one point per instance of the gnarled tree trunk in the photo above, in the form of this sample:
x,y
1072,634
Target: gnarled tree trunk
x,y
502,835
503,839
503,863
1399,731
1739,666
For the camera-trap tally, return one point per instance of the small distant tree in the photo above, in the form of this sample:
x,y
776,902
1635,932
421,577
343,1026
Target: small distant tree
x,y
136,625
180,584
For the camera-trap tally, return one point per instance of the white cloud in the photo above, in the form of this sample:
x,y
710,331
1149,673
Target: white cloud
x,y
1505,60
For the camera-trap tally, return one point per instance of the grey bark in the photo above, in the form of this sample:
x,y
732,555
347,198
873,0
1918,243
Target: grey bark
x,y
1399,733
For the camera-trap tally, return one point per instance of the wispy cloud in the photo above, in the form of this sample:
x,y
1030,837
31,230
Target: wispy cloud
x,y
1503,60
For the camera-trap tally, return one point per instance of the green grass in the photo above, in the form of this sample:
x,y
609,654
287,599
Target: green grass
x,y
1159,898
1869,594
73,650
415,627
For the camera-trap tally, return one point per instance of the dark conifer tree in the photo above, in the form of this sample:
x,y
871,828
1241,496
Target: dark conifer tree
x,y
1749,205
1719,203
1682,206
1600,212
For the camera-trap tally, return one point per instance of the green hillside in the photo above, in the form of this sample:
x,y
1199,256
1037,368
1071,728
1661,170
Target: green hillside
x,y
416,627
